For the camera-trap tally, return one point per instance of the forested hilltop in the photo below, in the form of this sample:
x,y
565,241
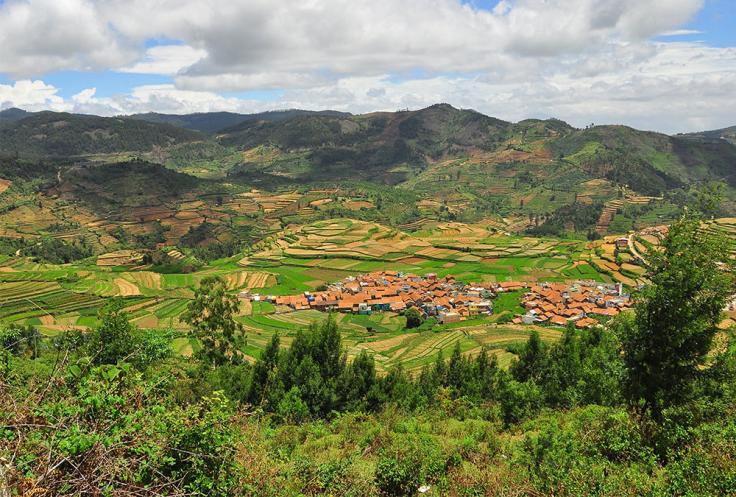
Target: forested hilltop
x,y
644,406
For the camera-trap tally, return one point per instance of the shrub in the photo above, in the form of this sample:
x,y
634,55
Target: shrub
x,y
396,478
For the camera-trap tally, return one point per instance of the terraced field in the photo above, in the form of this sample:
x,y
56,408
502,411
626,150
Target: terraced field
x,y
302,258
315,254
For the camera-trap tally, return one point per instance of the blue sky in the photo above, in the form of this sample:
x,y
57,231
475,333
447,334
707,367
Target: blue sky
x,y
716,22
667,65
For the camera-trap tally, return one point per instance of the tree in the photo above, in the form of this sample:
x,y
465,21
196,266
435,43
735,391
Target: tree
x,y
413,318
314,362
113,340
211,315
562,374
457,369
356,382
677,315
531,360
263,369
708,199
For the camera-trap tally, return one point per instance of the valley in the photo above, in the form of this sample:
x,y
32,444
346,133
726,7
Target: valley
x,y
286,203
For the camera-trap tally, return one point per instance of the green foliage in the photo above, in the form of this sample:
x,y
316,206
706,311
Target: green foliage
x,y
532,360
519,401
397,478
53,250
463,425
200,451
113,340
580,217
75,134
413,317
676,317
211,314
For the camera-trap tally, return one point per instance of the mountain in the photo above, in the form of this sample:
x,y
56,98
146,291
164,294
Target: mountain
x,y
212,122
727,134
117,187
58,134
434,163
13,114
391,147
382,146
646,161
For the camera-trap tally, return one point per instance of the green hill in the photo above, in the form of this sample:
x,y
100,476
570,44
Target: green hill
x,y
61,134
13,114
380,146
444,163
727,134
212,122
648,162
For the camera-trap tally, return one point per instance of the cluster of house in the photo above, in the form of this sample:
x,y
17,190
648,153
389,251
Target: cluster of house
x,y
448,300
444,298
580,302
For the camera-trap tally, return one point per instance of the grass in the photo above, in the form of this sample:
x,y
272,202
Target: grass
x,y
509,302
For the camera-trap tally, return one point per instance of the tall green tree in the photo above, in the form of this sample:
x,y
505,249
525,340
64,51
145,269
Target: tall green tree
x,y
211,314
531,360
113,340
677,315
262,371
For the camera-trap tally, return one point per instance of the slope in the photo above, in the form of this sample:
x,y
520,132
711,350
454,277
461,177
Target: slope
x,y
62,134
382,146
211,122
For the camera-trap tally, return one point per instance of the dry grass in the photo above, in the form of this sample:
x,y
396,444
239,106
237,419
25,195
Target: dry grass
x,y
4,184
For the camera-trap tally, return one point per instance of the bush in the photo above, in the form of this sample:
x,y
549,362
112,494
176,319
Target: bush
x,y
413,318
397,478
519,400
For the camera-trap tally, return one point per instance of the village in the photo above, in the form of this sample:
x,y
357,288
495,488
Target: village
x,y
448,300
580,302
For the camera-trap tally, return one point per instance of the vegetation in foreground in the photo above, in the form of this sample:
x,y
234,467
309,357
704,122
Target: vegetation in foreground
x,y
643,408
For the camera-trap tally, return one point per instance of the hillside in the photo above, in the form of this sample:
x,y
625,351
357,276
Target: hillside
x,y
651,163
394,147
211,122
404,168
60,134
13,114
727,134
382,146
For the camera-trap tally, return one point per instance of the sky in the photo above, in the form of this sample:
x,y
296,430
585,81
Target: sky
x,y
663,65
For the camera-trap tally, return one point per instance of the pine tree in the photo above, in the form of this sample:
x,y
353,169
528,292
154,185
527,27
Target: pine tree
x,y
212,316
677,316
262,371
531,361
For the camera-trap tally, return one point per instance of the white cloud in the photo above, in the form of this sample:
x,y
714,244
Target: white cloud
x,y
38,36
681,32
247,39
579,60
166,59
30,95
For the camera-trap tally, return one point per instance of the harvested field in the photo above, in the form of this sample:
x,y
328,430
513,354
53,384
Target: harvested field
x,y
126,288
390,343
247,279
356,205
120,258
146,279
